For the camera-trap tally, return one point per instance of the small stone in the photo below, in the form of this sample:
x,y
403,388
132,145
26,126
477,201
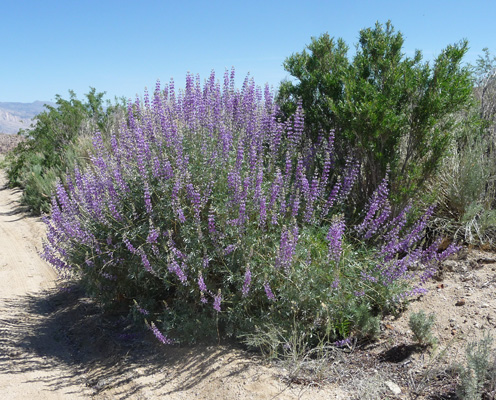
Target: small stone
x,y
393,387
484,305
460,302
450,265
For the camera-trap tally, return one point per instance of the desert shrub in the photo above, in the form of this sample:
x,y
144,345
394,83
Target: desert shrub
x,y
393,112
421,326
479,371
54,145
206,217
465,187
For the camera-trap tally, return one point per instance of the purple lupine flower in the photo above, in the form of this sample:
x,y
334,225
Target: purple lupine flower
x,y
415,233
140,309
367,277
180,215
247,282
268,291
174,250
153,235
453,248
167,170
211,224
295,207
201,284
229,249
111,203
379,221
276,188
145,261
217,301
176,269
335,237
242,214
110,277
195,198
328,162
342,343
305,186
378,201
263,212
312,196
287,247
129,246
157,170
258,184
333,196
416,291
159,335
298,123
234,183
349,179
391,241
231,132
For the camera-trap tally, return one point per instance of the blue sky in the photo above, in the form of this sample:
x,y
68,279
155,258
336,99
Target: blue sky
x,y
119,47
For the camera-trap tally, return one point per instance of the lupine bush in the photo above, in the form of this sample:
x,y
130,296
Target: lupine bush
x,y
206,217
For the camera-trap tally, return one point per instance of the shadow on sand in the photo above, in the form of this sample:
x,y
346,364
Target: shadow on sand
x,y
98,350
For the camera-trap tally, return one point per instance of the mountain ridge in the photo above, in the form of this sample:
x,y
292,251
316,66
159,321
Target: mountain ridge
x,y
17,115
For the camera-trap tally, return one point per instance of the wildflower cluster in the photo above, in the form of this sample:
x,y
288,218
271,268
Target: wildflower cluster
x,y
204,209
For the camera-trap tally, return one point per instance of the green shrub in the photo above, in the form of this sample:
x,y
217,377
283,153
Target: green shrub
x,y
465,187
476,374
53,147
421,326
393,112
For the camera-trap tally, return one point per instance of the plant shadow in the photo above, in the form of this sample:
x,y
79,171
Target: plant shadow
x,y
400,353
99,350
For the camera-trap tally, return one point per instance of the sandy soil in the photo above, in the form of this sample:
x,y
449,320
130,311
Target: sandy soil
x,y
55,343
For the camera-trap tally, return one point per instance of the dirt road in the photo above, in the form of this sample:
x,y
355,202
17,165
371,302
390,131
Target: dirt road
x,y
25,369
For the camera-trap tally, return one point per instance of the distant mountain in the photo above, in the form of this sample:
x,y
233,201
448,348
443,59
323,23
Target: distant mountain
x,y
15,116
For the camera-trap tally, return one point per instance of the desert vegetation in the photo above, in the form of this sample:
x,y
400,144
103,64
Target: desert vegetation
x,y
295,218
